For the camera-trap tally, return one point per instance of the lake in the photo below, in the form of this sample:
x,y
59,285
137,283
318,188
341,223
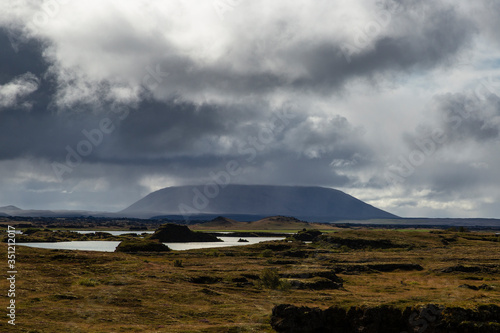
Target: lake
x,y
110,246
114,233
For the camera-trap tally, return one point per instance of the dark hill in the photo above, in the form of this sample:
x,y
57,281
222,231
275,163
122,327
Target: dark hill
x,y
305,203
173,233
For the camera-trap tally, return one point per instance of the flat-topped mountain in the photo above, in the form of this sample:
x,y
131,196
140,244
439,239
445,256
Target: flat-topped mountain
x,y
305,203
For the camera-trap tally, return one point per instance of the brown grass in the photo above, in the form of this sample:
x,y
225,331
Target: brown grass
x,y
75,291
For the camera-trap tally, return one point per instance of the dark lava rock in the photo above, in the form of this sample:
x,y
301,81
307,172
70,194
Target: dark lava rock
x,y
209,292
373,268
360,243
240,279
143,245
174,233
293,319
250,276
315,283
307,235
330,275
204,279
277,246
102,235
481,287
296,253
241,240
460,268
394,267
282,262
430,318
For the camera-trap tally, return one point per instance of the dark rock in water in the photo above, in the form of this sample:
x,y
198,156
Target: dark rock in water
x,y
429,318
174,233
143,245
241,240
103,235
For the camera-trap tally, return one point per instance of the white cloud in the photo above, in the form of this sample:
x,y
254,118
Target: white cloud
x,y
12,93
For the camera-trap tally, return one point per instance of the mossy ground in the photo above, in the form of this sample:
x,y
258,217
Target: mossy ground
x,y
216,290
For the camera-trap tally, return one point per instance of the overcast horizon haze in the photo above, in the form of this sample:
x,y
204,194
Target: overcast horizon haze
x,y
395,102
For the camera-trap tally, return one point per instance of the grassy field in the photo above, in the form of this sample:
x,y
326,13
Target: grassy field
x,y
222,290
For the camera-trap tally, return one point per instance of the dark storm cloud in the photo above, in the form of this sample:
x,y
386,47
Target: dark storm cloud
x,y
174,127
430,39
18,57
486,13
458,119
186,93
444,34
468,117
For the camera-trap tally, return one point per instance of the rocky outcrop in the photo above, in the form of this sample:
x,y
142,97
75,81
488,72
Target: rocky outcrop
x,y
315,280
315,283
131,246
174,233
307,235
359,243
429,318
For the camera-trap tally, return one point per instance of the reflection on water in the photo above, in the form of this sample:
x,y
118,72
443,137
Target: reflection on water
x,y
110,246
114,233
104,246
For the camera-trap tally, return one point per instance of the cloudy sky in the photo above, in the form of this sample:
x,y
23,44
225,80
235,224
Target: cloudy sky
x,y
395,102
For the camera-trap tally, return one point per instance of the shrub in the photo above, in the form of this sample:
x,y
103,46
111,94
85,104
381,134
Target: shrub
x,y
270,279
88,282
266,253
213,253
178,263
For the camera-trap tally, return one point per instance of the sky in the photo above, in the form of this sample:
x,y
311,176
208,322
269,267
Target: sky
x,y
395,102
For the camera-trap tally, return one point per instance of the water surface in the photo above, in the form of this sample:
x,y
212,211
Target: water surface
x,y
110,246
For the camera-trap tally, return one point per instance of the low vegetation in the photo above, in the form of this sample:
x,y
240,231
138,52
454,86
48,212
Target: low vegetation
x,y
270,279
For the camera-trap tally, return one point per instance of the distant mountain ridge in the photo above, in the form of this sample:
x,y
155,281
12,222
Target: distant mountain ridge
x,y
304,202
268,223
9,208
